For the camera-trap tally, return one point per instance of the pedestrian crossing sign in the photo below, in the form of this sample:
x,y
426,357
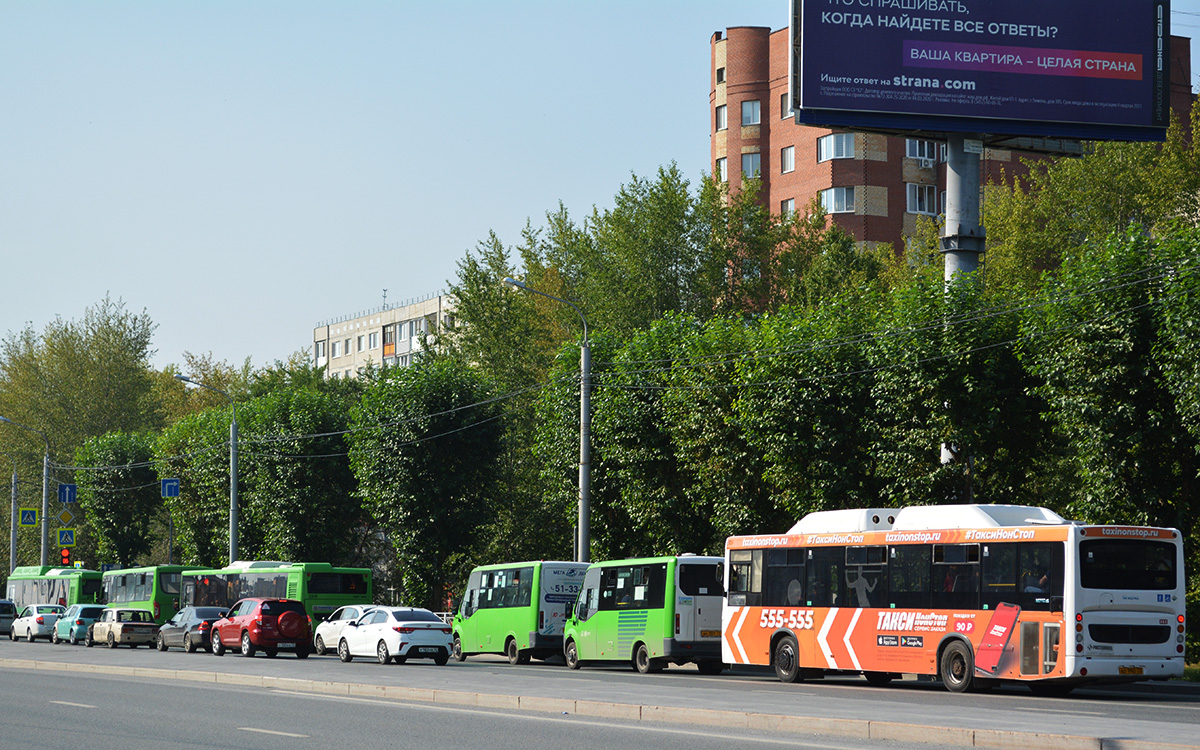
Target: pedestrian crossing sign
x,y
29,517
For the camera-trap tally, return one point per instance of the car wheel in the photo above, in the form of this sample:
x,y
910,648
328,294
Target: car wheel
x,y
320,646
218,648
188,645
381,653
73,639
302,653
29,635
344,651
441,659
248,648
786,659
87,639
112,641
54,636
458,652
160,643
12,635
271,653
957,668
399,659
571,655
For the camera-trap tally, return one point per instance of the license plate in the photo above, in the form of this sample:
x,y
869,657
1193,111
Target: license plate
x,y
286,645
1129,670
710,633
427,651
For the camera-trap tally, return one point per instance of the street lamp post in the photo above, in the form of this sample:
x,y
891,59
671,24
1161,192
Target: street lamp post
x,y
12,541
45,488
584,541
233,467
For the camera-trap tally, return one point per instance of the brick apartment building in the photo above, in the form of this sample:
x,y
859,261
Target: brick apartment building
x,y
873,186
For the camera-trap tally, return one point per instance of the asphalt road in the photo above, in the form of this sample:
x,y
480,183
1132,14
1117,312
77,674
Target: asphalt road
x,y
1168,713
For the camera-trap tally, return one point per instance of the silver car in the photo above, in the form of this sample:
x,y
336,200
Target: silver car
x,y
36,621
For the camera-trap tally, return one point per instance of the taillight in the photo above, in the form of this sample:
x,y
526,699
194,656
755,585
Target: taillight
x,y
205,626
40,620
541,619
402,629
676,623
447,631
157,611
79,622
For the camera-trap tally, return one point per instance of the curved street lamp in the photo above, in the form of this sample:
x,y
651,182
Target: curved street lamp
x,y
233,467
45,490
583,549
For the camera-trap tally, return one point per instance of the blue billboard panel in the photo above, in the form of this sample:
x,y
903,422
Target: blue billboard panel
x,y
1095,69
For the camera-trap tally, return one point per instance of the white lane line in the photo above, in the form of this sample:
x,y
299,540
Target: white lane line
x,y
272,731
76,705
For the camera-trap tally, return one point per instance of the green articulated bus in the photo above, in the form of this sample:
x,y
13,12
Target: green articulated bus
x,y
155,588
516,609
320,586
649,612
46,585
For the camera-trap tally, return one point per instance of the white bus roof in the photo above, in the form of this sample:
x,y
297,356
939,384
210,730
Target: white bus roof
x,y
841,521
919,517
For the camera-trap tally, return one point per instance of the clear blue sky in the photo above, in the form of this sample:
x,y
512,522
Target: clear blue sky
x,y
242,170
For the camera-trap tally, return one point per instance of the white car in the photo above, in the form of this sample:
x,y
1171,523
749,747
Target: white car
x,y
36,621
329,631
396,634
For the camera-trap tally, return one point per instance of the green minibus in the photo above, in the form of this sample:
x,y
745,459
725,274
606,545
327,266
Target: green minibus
x,y
155,588
649,612
516,609
45,585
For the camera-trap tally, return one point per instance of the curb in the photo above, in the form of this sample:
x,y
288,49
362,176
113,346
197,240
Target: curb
x,y
863,729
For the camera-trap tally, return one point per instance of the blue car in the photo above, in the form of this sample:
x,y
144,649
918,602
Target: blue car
x,y
73,625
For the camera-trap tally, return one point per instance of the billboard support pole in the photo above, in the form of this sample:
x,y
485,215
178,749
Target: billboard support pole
x,y
962,238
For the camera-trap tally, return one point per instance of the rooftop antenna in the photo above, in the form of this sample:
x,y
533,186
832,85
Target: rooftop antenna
x,y
385,298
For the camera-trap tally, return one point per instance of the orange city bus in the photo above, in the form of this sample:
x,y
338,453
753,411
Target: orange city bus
x,y
973,594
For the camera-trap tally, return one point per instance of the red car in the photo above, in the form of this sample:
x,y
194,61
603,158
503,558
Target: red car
x,y
270,625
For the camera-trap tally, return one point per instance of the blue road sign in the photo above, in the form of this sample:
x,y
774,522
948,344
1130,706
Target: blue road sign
x,y
66,493
29,517
170,488
66,537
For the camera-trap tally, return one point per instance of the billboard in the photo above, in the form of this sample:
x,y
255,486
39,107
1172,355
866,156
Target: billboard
x,y
1095,69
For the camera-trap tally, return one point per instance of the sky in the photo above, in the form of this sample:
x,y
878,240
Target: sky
x,y
243,170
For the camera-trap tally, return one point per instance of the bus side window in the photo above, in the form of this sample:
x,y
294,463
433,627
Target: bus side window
x,y
999,575
745,577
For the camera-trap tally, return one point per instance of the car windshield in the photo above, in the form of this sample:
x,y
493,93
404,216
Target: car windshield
x,y
209,613
49,609
7,608
278,608
415,615
91,611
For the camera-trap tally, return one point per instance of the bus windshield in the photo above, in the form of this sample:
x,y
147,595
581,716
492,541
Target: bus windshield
x,y
1129,564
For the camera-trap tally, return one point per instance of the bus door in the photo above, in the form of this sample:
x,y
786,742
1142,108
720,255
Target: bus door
x,y
587,607
557,588
467,609
1039,647
698,599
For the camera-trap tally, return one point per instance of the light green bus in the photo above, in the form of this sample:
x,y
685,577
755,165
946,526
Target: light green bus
x,y
516,609
155,588
321,587
649,612
46,585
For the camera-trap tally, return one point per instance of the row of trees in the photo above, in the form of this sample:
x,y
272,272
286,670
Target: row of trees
x,y
749,368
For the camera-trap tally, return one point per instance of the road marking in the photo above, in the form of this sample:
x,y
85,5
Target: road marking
x,y
272,731
76,705
575,719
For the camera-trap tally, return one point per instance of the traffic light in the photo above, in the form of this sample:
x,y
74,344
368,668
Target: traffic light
x,y
66,557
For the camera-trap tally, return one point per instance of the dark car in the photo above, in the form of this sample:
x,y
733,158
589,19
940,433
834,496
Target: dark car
x,y
269,625
189,629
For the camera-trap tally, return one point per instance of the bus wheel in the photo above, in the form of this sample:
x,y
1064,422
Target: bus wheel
x,y
457,649
516,655
643,663
710,666
320,646
957,669
786,659
571,655
878,679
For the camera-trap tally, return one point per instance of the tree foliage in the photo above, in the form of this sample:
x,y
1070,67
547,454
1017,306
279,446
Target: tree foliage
x,y
120,500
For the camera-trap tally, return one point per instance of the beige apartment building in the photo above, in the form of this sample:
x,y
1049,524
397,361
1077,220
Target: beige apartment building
x,y
386,336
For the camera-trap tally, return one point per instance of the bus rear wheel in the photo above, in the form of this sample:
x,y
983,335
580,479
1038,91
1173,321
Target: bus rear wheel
x,y
710,666
515,654
786,659
957,668
643,663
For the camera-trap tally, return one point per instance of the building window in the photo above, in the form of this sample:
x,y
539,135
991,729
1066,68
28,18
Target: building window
x,y
722,117
925,151
319,349
787,159
751,165
720,75
362,342
922,199
346,349
337,349
942,202
401,331
722,170
750,112
373,340
787,207
785,109
838,200
835,146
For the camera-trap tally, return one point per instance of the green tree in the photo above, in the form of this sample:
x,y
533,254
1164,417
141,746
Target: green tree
x,y
119,494
424,449
196,451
